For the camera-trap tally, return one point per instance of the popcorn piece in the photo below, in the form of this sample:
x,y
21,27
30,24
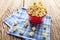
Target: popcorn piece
x,y
31,33
44,7
33,14
37,8
40,14
37,12
34,7
39,2
33,28
25,24
44,34
34,3
44,26
30,8
29,13
44,13
14,28
39,5
43,10
15,23
21,32
36,15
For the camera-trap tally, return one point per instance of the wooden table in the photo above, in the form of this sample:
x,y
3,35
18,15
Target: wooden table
x,y
9,6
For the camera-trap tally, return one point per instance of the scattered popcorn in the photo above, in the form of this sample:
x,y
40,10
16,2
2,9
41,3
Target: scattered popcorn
x,y
21,32
44,26
33,28
14,28
44,34
15,23
31,33
25,24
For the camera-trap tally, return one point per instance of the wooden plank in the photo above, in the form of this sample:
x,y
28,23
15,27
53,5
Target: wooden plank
x,y
3,6
11,5
6,7
16,4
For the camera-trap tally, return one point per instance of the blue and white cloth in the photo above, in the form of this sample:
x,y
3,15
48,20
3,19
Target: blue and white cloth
x,y
20,17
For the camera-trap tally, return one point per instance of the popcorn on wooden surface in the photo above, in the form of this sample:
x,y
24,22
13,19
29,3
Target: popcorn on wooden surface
x,y
37,9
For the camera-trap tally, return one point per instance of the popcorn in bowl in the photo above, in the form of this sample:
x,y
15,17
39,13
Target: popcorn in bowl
x,y
37,9
36,12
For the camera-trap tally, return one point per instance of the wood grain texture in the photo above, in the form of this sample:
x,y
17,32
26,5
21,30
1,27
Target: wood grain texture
x,y
9,6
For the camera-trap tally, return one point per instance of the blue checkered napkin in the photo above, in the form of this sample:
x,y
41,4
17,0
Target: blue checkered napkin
x,y
47,20
40,29
20,17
